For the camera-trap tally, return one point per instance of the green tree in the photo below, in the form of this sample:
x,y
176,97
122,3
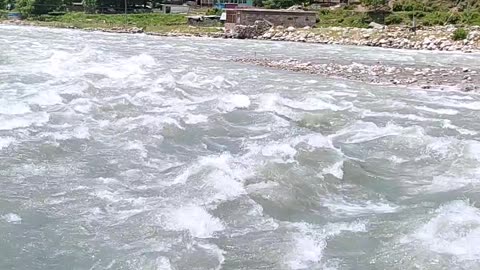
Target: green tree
x,y
37,7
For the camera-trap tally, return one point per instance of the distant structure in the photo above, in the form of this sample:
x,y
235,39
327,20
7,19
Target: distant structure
x,y
174,9
225,4
276,17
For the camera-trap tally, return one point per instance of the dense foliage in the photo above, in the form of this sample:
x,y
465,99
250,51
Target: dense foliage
x,y
36,7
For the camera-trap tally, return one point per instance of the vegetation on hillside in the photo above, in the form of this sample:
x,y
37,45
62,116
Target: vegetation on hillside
x,y
393,12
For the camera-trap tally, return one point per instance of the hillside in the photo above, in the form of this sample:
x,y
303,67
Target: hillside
x,y
403,12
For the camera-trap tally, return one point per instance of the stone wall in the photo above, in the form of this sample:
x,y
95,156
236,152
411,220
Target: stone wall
x,y
295,19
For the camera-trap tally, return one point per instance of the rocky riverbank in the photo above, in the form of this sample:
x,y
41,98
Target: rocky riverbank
x,y
463,79
437,38
428,38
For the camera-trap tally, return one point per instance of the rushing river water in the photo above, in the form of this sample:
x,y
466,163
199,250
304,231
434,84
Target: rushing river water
x,y
138,152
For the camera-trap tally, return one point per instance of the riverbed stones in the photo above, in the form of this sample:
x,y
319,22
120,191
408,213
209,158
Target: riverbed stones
x,y
425,78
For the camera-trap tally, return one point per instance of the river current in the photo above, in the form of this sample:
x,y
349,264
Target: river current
x,y
139,152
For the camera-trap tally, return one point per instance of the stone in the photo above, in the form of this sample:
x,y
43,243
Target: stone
x,y
468,88
291,29
268,35
375,25
419,73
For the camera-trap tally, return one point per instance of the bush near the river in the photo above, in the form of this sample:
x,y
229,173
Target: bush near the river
x,y
460,34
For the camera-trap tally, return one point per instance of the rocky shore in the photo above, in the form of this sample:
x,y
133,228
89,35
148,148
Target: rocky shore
x,y
463,79
438,38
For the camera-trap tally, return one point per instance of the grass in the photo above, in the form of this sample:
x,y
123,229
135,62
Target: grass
x,y
350,18
150,22
343,18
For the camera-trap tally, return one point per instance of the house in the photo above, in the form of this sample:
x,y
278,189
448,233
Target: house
x,y
276,17
224,4
230,4
174,9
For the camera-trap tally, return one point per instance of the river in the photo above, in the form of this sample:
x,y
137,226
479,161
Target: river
x,y
140,152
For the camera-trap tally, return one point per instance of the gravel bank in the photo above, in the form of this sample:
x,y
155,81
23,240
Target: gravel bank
x,y
463,79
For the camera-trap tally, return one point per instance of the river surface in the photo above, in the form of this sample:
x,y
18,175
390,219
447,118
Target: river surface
x,y
139,152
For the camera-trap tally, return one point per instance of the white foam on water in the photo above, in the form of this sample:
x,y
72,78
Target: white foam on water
x,y
315,141
396,159
413,117
335,169
232,102
437,111
107,195
472,150
6,142
193,119
456,97
453,230
311,241
194,80
45,98
134,67
14,122
280,152
226,186
448,124
459,104
136,145
81,105
225,176
13,107
156,122
194,219
258,187
341,207
163,263
80,132
316,104
367,131
12,218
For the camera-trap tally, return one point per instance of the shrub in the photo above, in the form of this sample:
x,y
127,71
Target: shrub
x,y
373,2
394,19
408,5
460,34
214,11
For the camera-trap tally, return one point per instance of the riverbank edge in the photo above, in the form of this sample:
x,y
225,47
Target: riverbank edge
x,y
431,39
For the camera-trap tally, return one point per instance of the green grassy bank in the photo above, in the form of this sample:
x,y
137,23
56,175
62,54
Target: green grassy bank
x,y
350,18
149,22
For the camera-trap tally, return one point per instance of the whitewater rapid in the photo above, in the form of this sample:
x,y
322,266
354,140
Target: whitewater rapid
x,y
138,152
